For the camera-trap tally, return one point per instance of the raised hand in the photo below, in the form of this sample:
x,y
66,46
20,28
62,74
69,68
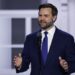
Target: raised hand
x,y
18,61
63,63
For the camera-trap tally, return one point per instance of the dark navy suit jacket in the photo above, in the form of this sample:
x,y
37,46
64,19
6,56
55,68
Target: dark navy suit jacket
x,y
62,45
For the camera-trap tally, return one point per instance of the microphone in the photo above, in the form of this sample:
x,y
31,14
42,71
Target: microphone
x,y
39,36
39,39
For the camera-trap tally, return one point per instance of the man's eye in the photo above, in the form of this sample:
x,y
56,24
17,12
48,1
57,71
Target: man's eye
x,y
40,15
46,15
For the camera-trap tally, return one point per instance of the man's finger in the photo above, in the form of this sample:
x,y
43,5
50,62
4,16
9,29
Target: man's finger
x,y
60,58
65,63
19,54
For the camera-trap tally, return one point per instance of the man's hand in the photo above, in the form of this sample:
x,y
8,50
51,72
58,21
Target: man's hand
x,y
63,63
18,61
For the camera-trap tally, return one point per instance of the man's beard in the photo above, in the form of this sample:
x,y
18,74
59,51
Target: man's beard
x,y
48,25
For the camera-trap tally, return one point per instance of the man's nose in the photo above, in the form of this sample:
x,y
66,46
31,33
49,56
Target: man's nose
x,y
42,18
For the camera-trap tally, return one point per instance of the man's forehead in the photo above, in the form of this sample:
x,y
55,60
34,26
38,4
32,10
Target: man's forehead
x,y
45,10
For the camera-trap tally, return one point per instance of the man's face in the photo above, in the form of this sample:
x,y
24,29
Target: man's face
x,y
46,19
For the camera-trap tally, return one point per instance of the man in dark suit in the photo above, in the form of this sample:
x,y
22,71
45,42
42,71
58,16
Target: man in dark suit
x,y
44,48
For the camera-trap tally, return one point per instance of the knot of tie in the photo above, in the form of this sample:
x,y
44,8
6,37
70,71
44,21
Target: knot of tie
x,y
45,33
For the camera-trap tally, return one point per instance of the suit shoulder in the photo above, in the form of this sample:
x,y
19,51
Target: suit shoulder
x,y
65,34
32,35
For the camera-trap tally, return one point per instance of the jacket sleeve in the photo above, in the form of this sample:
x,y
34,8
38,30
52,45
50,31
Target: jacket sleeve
x,y
25,57
70,55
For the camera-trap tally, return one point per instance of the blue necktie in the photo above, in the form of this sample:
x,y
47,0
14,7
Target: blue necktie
x,y
45,47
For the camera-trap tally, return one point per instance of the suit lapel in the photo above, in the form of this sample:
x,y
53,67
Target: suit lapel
x,y
53,45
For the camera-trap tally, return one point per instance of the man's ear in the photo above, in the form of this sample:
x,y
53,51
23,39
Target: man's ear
x,y
54,18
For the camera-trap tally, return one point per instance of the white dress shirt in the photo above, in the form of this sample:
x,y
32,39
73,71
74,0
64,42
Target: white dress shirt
x,y
50,36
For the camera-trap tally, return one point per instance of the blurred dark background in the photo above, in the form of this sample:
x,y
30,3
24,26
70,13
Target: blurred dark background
x,y
19,4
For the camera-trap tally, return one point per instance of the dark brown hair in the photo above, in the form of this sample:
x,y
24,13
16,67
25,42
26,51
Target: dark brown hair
x,y
48,5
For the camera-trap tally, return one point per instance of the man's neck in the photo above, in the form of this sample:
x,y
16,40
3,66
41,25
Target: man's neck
x,y
48,28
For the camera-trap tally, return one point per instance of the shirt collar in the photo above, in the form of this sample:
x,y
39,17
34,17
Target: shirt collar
x,y
50,31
